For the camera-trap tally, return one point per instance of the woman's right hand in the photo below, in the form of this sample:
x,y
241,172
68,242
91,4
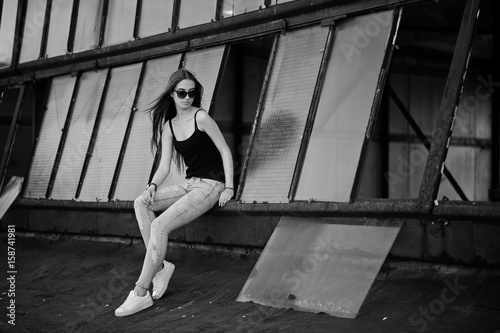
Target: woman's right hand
x,y
148,195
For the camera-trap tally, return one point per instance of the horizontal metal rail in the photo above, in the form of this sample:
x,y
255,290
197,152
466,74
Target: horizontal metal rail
x,y
263,21
378,208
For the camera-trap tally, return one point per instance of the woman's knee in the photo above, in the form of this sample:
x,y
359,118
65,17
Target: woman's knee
x,y
139,203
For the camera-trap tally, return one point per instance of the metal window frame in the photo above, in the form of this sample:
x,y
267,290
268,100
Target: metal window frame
x,y
64,136
1,10
377,100
313,108
45,31
104,20
424,140
289,14
447,113
72,25
22,8
220,75
258,115
36,131
9,144
123,149
137,21
417,208
95,132
175,15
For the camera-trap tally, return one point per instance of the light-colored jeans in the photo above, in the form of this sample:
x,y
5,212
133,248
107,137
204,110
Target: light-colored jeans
x,y
179,204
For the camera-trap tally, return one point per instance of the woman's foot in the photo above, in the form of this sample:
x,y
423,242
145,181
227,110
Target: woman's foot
x,y
133,304
161,279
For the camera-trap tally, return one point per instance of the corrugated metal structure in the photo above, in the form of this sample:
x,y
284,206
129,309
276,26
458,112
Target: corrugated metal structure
x,y
332,108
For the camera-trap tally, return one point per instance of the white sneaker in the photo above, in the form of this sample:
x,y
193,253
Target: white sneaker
x,y
161,279
133,304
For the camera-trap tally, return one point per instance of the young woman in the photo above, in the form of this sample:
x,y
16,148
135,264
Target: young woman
x,y
184,132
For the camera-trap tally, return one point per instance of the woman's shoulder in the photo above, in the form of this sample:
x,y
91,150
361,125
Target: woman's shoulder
x,y
202,115
166,128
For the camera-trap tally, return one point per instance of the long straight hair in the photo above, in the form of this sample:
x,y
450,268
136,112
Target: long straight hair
x,y
163,110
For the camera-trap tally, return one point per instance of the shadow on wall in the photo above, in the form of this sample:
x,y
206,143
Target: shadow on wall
x,y
275,138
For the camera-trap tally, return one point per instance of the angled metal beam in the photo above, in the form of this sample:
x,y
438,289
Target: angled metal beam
x,y
18,33
306,136
72,25
447,113
95,133
137,21
175,15
104,19
9,145
123,149
423,138
64,136
260,108
45,30
376,104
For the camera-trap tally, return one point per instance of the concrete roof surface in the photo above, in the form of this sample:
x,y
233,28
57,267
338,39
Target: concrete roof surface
x,y
74,285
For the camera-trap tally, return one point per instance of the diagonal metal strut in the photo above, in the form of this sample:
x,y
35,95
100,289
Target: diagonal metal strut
x,y
424,140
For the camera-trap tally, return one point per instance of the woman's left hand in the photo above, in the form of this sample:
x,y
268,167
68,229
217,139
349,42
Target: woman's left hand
x,y
225,196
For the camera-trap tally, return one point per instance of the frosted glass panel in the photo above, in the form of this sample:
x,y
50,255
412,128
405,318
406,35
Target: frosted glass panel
x,y
344,108
82,122
196,12
33,28
120,22
60,19
286,107
7,28
156,17
113,123
51,128
88,25
320,265
138,159
205,64
237,7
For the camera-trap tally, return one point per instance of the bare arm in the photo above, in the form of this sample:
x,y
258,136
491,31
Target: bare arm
x,y
208,125
163,167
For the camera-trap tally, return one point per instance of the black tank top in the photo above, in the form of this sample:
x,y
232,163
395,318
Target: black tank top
x,y
200,154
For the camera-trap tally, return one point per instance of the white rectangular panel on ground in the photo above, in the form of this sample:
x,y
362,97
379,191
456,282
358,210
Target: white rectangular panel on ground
x,y
320,265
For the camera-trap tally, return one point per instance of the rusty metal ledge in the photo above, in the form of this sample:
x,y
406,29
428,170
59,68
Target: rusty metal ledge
x,y
378,208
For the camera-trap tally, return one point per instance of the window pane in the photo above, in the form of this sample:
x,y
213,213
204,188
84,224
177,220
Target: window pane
x,y
156,17
113,123
91,85
138,159
469,156
205,64
88,25
33,28
237,7
120,22
60,19
51,128
421,96
279,134
195,12
7,28
404,177
344,108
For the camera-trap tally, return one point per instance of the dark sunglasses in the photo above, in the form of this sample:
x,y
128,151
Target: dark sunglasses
x,y
182,93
